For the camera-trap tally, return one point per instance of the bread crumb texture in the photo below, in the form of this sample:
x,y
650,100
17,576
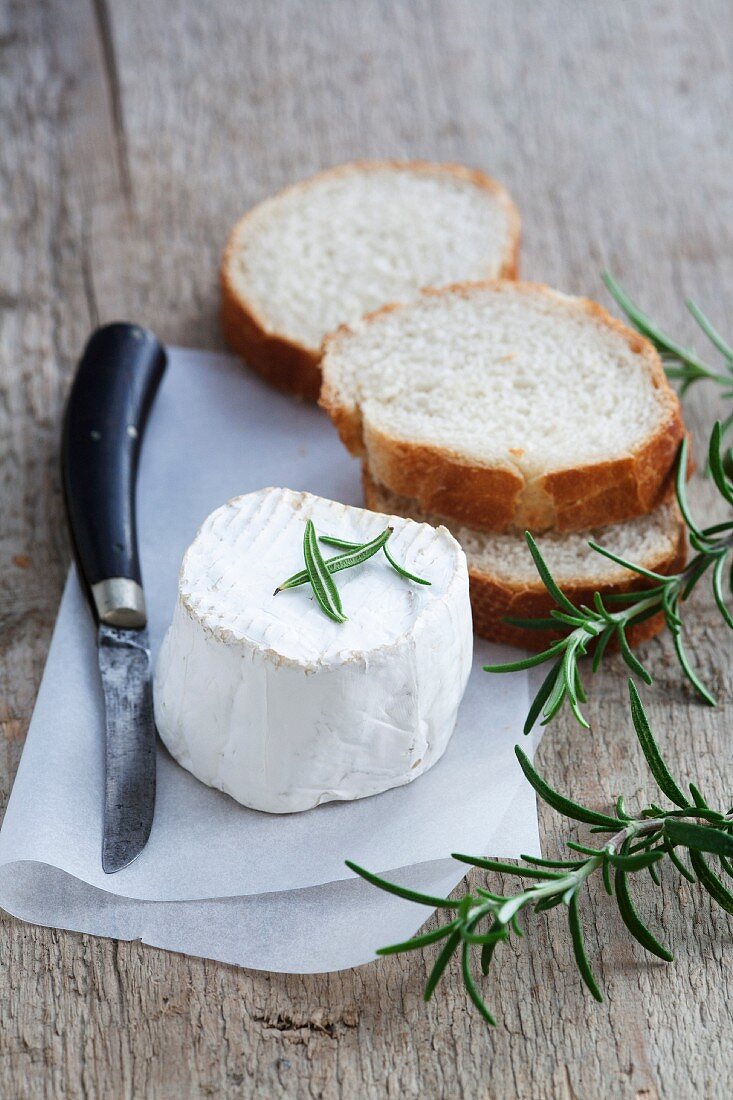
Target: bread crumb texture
x,y
330,249
578,427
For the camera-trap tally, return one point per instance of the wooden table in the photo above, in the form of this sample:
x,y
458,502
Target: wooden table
x,y
133,135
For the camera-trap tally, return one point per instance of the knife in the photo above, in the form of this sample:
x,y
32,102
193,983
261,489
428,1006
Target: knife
x,y
111,395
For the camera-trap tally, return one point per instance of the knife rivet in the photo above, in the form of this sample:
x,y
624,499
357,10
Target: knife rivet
x,y
95,434
132,431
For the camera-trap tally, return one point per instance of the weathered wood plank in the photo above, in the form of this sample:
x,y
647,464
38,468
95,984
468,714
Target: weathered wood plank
x,y
133,136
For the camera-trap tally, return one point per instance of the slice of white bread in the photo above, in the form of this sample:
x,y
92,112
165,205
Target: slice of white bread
x,y
506,406
504,581
329,249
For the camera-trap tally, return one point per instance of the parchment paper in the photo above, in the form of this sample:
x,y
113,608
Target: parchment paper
x,y
216,879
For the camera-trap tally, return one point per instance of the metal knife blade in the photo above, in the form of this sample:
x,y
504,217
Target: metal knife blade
x,y
129,797
106,413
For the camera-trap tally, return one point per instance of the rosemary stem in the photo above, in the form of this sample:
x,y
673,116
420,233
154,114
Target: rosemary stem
x,y
570,883
646,825
592,628
629,613
694,563
698,370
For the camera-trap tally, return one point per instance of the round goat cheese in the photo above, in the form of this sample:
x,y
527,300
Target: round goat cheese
x,y
263,696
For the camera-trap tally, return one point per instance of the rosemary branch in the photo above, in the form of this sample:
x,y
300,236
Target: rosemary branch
x,y
592,629
485,919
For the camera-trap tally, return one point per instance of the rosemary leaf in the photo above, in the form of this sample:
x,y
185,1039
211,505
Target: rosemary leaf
x,y
689,670
697,798
712,334
401,891
322,584
558,801
330,540
487,894
471,986
568,620
601,646
559,690
343,544
718,575
485,938
699,838
681,488
531,624
621,809
542,696
488,949
581,958
440,964
419,941
675,859
607,881
630,658
359,553
401,569
547,579
571,682
527,662
585,849
711,882
626,564
504,868
566,863
633,922
649,747
652,332
726,866
715,460
548,903
670,604
635,862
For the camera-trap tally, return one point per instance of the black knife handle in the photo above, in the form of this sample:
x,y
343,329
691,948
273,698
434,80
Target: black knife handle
x,y
111,395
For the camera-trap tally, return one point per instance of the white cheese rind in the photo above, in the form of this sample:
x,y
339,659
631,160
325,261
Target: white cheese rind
x,y
265,698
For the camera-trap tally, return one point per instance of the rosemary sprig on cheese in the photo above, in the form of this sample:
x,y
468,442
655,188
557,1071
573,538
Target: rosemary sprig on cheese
x,y
318,571
483,919
322,583
331,541
361,552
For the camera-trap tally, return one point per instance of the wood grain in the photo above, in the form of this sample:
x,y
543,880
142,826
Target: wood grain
x,y
133,136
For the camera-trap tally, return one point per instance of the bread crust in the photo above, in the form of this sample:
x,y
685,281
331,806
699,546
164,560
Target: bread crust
x,y
283,364
294,367
492,599
497,497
